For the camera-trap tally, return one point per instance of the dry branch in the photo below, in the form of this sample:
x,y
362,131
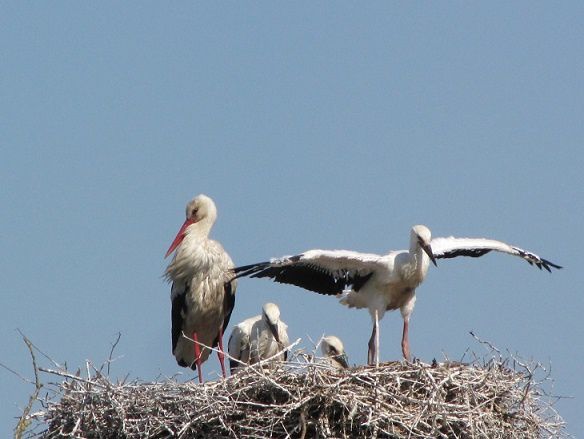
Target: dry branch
x,y
24,421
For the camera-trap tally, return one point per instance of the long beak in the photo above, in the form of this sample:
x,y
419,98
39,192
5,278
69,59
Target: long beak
x,y
274,331
179,236
343,360
428,249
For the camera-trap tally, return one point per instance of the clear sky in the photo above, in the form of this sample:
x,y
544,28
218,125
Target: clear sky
x,y
312,125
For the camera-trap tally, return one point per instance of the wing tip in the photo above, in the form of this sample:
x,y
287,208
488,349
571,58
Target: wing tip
x,y
548,265
257,269
249,270
534,259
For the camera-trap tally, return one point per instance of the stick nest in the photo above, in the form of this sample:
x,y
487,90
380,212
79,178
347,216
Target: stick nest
x,y
304,398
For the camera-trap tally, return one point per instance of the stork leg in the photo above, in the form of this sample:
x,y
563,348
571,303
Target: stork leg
x,y
373,351
376,338
198,356
405,340
221,353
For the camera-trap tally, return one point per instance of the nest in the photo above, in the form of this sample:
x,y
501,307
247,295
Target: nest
x,y
305,398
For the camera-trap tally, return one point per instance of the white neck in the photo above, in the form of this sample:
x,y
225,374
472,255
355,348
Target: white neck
x,y
418,262
199,230
188,255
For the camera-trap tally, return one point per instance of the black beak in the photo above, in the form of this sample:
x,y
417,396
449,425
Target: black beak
x,y
343,360
428,249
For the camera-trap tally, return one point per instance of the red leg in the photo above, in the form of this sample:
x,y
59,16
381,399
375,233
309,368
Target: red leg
x,y
371,346
198,357
405,340
373,352
221,354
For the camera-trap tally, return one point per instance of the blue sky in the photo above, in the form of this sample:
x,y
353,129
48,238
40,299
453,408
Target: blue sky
x,y
311,125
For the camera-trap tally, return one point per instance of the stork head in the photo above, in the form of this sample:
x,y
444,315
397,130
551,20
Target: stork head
x,y
332,347
422,237
271,314
200,209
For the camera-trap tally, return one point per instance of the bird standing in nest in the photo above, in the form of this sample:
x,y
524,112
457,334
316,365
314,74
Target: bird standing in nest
x,y
202,294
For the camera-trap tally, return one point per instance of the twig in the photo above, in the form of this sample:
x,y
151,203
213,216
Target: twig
x,y
23,378
57,365
109,359
62,373
24,420
485,342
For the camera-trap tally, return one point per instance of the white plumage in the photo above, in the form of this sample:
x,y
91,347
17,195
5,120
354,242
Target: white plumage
x,y
202,294
334,352
258,338
379,282
239,343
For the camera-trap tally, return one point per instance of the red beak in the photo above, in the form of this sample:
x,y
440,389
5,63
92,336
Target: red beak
x,y
179,236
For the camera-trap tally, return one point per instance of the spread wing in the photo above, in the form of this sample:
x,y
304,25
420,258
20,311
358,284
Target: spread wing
x,y
322,271
452,247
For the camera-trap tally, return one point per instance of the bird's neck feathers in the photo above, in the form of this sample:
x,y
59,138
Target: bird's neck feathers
x,y
415,270
191,255
199,231
422,262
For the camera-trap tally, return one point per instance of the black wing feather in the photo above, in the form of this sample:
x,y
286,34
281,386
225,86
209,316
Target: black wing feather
x,y
232,362
473,253
536,260
452,247
178,307
247,270
305,275
228,305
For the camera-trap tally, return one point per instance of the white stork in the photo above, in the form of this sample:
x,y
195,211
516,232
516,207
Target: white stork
x,y
333,350
239,343
202,294
258,338
379,282
269,336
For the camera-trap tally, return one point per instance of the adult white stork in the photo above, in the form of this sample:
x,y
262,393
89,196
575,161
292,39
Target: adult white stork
x,y
379,283
259,337
202,294
333,350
